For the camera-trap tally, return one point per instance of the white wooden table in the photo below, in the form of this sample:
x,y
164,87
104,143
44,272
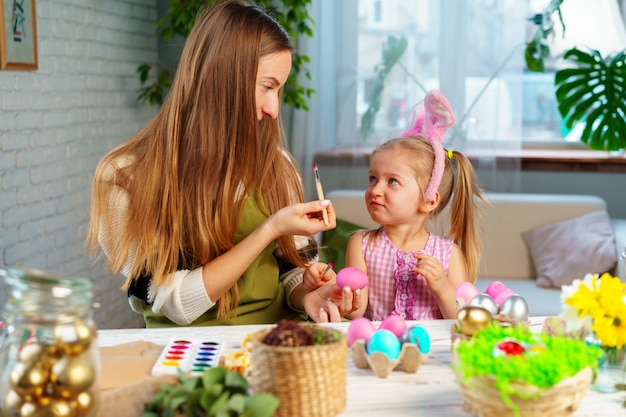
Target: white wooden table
x,y
432,391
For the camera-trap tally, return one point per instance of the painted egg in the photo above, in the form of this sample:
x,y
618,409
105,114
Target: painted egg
x,y
470,319
502,296
515,307
352,277
494,288
382,340
395,324
486,302
466,290
360,328
418,336
509,348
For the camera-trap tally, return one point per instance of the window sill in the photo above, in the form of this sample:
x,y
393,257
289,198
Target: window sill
x,y
561,160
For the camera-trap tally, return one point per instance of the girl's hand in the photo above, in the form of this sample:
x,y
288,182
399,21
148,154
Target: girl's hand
x,y
317,275
329,303
432,270
303,219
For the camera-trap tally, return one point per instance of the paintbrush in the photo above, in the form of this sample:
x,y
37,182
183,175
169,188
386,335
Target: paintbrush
x,y
320,193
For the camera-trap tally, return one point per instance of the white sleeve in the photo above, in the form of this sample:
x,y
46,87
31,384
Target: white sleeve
x,y
180,303
293,277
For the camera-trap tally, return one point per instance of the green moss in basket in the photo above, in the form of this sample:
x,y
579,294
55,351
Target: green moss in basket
x,y
545,361
217,392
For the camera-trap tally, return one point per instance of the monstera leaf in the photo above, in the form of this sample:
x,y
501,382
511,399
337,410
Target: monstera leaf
x,y
594,93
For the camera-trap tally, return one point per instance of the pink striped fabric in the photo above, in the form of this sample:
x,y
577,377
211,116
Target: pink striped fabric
x,y
393,286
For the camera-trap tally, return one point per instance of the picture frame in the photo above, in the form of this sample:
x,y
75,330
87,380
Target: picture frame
x,y
18,35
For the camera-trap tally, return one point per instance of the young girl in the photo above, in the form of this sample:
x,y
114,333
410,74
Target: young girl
x,y
412,272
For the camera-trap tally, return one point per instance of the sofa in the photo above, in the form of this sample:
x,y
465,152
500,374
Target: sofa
x,y
533,243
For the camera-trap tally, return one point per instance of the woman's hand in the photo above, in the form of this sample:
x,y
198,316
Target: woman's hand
x,y
330,303
304,219
317,275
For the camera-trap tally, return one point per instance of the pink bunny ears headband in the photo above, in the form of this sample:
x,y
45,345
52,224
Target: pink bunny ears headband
x,y
433,118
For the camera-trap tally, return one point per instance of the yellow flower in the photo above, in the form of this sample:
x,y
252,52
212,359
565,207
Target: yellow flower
x,y
599,305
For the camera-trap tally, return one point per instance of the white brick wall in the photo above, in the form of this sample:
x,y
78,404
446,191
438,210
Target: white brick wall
x,y
57,122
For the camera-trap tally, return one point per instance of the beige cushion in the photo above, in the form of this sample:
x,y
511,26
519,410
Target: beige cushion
x,y
564,251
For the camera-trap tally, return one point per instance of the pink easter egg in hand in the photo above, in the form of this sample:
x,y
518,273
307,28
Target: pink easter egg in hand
x,y
395,324
360,328
466,290
503,295
494,288
352,277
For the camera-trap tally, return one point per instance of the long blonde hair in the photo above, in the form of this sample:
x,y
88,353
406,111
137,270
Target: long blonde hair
x,y
185,173
464,193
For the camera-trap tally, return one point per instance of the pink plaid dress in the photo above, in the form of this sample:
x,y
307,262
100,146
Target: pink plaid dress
x,y
393,286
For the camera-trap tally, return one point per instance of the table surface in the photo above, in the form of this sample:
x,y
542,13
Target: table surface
x,y
432,391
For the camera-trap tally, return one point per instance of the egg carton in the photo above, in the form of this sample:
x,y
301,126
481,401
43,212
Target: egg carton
x,y
410,359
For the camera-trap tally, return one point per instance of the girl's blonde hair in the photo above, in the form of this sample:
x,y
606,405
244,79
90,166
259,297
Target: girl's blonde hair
x,y
418,154
186,172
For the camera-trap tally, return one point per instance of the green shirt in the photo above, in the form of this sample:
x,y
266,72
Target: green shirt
x,y
261,294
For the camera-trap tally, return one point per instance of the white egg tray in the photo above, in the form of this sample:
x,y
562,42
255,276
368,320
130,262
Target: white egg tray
x,y
410,359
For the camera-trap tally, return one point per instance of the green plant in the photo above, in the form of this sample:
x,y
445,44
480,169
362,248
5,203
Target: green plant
x,y
593,92
292,15
217,392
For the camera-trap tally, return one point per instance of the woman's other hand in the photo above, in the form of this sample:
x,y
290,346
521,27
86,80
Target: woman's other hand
x,y
330,303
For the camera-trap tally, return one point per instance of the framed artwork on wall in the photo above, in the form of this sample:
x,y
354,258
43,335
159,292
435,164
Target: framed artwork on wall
x,y
18,35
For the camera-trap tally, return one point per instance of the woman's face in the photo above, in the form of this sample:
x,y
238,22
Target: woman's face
x,y
270,77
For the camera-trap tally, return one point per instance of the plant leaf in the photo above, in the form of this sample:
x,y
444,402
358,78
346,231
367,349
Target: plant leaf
x,y
261,405
593,93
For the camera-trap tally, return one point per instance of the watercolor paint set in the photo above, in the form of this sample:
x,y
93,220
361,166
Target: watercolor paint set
x,y
193,356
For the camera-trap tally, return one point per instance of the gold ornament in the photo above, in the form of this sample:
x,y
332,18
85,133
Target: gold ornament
x,y
13,403
73,338
72,375
28,380
54,408
84,403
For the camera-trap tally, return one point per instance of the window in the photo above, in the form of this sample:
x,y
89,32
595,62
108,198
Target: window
x,y
472,50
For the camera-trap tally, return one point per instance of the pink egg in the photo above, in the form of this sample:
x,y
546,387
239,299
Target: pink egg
x,y
494,288
503,295
466,290
360,328
395,324
352,277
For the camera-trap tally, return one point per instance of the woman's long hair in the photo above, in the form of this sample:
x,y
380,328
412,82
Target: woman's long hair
x,y
186,172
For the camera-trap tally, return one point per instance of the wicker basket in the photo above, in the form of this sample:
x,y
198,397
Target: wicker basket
x,y
560,400
309,381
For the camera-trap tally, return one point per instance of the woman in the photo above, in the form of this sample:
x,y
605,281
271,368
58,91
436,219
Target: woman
x,y
202,210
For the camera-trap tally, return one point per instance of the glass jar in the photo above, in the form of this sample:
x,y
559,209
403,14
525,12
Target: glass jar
x,y
49,358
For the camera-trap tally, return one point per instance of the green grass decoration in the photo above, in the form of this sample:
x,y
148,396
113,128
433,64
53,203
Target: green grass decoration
x,y
562,358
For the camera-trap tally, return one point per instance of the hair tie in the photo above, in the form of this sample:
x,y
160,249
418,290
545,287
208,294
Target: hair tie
x,y
434,118
450,154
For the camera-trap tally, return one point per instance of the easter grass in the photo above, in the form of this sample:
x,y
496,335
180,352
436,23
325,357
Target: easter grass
x,y
553,359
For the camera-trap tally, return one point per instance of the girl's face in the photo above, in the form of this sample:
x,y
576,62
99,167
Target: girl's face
x,y
393,195
270,77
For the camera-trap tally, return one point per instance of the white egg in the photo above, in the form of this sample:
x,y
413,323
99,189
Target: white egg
x,y
486,302
515,307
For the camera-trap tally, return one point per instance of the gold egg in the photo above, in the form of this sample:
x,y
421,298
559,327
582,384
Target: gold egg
x,y
42,354
13,403
72,375
28,380
470,319
74,338
84,403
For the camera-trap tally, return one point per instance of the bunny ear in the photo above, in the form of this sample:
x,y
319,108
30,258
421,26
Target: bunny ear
x,y
434,117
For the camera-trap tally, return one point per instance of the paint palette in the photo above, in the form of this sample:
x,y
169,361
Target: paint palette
x,y
190,355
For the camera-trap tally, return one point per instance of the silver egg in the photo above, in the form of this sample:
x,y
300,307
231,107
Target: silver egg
x,y
515,307
486,302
